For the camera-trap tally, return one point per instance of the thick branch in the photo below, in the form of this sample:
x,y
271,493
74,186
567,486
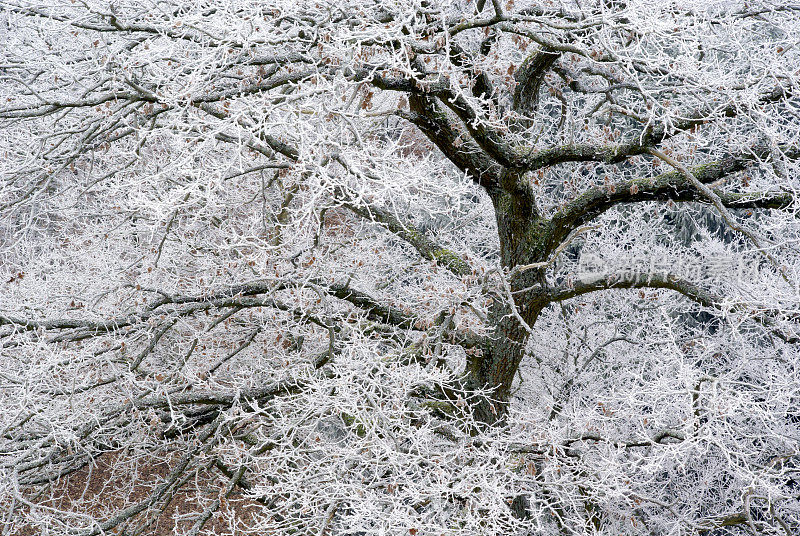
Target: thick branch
x,y
715,199
423,95
425,246
376,311
767,318
456,144
640,142
482,87
529,79
673,186
628,281
239,296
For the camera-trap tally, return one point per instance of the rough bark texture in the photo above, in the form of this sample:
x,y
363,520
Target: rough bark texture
x,y
525,238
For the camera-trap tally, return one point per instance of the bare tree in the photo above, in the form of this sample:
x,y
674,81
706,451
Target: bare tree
x,y
418,267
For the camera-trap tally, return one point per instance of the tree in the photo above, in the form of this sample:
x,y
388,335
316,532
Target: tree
x,y
410,267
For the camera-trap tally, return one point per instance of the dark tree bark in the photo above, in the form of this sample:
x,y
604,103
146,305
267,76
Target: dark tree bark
x,y
528,239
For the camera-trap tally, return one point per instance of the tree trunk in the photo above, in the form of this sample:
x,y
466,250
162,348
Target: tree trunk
x,y
525,238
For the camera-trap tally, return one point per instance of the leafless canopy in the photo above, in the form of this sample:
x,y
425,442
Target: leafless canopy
x,y
400,267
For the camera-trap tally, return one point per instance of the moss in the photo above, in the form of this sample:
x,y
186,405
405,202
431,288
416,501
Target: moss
x,y
439,405
413,236
703,171
351,422
504,205
539,238
450,259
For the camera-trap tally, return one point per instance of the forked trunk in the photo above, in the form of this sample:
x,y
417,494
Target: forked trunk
x,y
525,238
